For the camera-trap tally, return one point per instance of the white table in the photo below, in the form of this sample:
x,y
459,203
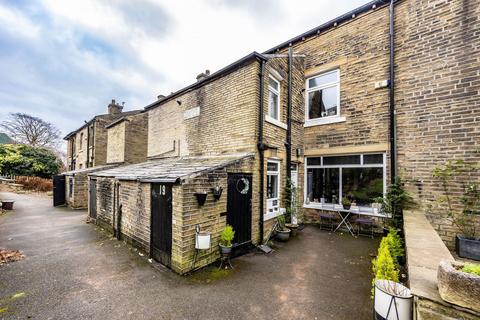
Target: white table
x,y
345,214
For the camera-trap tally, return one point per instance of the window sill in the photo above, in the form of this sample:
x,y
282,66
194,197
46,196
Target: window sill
x,y
275,122
322,121
272,215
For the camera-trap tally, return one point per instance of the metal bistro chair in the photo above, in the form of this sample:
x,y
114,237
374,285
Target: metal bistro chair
x,y
365,222
330,218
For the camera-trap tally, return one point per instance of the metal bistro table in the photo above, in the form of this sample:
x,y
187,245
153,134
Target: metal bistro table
x,y
345,214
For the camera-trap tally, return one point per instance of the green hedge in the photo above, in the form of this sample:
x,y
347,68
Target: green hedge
x,y
22,160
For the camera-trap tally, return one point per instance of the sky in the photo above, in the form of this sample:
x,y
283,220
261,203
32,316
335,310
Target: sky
x,y
64,60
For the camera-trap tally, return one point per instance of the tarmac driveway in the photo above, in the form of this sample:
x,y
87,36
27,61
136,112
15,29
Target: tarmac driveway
x,y
74,270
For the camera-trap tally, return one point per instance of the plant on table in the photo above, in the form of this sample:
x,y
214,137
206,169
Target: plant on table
x,y
395,201
346,203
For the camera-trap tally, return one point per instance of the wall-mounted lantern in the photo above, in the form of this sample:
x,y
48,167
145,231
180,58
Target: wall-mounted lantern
x,y
217,192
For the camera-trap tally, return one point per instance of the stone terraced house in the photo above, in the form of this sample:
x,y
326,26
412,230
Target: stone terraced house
x,y
105,141
390,88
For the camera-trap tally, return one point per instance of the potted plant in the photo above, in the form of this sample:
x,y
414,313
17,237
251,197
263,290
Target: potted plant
x,y
464,210
226,239
346,203
283,233
394,202
459,283
201,197
290,211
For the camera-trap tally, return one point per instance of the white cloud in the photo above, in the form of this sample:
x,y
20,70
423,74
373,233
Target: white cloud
x,y
77,55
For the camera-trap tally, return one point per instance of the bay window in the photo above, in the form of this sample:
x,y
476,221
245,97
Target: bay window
x,y
361,178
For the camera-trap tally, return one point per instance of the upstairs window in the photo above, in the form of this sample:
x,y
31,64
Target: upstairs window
x,y
323,95
273,98
81,141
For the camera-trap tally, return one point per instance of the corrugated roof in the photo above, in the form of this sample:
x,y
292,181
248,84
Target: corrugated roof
x,y
171,169
91,169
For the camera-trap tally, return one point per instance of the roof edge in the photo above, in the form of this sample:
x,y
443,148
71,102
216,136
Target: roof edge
x,y
330,24
225,70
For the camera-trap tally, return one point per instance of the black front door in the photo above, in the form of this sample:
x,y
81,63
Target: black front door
x,y
239,206
161,223
92,200
58,190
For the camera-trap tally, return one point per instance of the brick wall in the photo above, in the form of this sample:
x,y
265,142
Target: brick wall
x,y
105,202
116,143
136,138
224,123
79,197
437,92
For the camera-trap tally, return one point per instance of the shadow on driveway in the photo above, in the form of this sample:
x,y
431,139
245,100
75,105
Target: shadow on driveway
x,y
74,270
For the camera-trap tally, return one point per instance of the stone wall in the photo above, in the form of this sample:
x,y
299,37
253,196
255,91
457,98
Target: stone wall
x,y
79,194
136,138
437,94
216,118
116,143
211,217
105,202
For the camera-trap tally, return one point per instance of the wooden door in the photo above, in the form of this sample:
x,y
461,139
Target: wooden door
x,y
239,206
58,190
161,223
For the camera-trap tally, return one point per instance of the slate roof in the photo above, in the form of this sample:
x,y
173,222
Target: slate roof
x,y
90,170
171,169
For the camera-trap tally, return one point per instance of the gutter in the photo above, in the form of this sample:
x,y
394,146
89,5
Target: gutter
x,y
393,125
329,24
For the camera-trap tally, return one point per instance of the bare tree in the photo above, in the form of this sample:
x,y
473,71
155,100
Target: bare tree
x,y
30,130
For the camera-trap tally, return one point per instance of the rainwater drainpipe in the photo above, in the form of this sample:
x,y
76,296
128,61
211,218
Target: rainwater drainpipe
x,y
261,149
393,129
288,143
88,144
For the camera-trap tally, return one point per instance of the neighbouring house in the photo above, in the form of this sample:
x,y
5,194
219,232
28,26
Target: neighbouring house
x,y
388,89
106,141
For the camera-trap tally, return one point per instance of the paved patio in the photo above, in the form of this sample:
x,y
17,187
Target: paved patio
x,y
73,270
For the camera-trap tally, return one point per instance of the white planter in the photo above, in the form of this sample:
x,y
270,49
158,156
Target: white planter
x,y
393,301
202,240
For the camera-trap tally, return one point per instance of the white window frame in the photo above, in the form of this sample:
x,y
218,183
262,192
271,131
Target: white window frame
x,y
328,119
272,209
277,92
334,206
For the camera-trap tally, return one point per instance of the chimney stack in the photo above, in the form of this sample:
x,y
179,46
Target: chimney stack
x,y
203,75
160,97
114,108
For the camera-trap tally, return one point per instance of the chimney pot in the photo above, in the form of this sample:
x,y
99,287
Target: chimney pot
x,y
160,96
203,75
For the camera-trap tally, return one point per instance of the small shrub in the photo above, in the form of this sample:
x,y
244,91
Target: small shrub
x,y
472,268
227,236
281,223
35,183
384,267
395,243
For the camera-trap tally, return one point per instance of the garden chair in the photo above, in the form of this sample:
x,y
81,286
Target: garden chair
x,y
366,223
329,218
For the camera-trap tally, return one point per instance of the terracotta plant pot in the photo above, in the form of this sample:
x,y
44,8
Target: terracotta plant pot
x,y
283,235
458,287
